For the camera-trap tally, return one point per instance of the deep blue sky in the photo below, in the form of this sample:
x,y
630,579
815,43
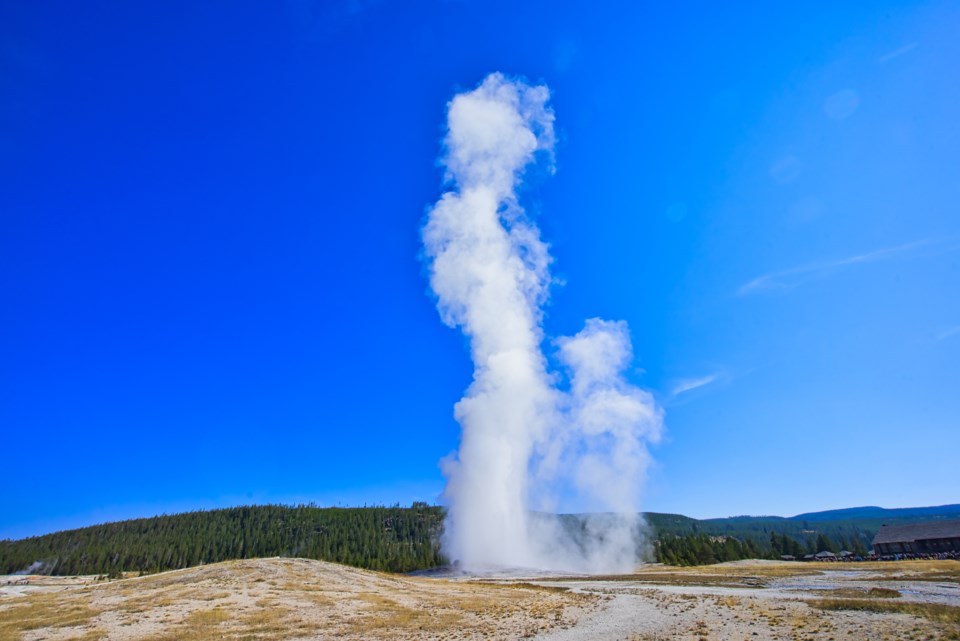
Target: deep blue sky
x,y
209,285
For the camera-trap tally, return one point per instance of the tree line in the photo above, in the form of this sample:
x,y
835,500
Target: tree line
x,y
392,539
704,549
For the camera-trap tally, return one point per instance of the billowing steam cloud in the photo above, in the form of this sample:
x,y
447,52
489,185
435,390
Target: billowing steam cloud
x,y
533,441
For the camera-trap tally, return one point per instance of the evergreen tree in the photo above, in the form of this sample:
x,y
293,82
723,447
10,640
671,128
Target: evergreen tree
x,y
824,544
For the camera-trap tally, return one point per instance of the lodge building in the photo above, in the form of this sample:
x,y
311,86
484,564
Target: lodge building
x,y
918,538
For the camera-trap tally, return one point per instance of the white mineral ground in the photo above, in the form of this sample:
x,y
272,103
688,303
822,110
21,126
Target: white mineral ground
x,y
274,599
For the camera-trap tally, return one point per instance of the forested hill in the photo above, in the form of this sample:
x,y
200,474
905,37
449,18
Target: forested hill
x,y
682,540
858,521
394,539
399,539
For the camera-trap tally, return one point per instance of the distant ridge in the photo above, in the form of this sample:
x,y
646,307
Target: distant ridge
x,y
849,527
873,512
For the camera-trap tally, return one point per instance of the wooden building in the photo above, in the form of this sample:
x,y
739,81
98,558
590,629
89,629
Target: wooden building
x,y
918,538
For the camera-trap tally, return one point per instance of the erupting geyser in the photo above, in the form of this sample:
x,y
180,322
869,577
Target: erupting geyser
x,y
532,442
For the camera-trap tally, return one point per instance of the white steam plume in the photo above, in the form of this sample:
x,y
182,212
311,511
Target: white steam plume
x,y
528,446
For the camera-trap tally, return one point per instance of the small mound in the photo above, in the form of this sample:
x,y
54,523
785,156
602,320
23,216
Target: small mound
x,y
753,563
280,598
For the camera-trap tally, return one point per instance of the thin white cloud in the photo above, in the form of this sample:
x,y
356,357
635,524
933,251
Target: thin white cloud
x,y
789,278
947,333
685,385
896,53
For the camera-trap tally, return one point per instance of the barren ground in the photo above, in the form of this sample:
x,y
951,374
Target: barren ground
x,y
273,599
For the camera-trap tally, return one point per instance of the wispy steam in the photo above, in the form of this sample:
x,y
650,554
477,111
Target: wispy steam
x,y
37,567
529,443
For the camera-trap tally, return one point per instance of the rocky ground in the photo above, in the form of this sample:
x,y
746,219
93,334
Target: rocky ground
x,y
273,599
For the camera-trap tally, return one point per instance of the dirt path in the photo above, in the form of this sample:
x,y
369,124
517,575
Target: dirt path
x,y
621,616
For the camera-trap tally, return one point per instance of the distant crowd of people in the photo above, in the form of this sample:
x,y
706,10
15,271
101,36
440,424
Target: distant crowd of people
x,y
927,556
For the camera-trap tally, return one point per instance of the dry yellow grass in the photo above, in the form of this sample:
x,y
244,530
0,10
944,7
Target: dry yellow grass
x,y
946,615
727,601
760,574
525,585
920,568
272,623
854,593
743,579
198,626
39,611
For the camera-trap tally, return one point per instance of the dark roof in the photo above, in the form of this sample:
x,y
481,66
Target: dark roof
x,y
917,532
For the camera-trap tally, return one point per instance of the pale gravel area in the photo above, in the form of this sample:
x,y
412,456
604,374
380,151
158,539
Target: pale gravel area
x,y
281,599
638,610
694,613
20,584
